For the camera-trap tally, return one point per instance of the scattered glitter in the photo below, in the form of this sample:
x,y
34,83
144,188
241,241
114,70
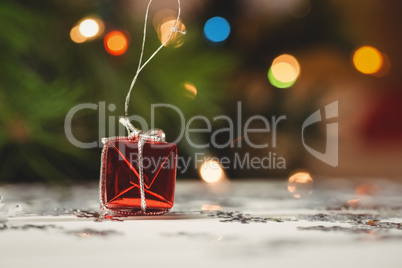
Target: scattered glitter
x,y
355,230
343,217
97,216
241,218
88,233
4,227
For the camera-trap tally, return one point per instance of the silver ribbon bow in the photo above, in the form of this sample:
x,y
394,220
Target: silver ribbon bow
x,y
150,135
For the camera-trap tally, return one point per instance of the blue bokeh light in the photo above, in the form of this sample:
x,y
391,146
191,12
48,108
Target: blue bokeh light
x,y
217,29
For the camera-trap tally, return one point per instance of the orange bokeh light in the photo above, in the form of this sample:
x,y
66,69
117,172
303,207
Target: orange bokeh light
x,y
285,68
76,35
300,184
164,31
191,90
367,60
367,189
116,43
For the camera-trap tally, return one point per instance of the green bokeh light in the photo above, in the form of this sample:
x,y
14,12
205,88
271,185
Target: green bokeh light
x,y
276,83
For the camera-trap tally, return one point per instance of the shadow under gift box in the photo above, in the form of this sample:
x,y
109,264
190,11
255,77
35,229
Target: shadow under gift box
x,y
120,186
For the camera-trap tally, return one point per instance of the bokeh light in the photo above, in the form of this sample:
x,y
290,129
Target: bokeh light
x,y
284,71
277,83
214,207
89,28
165,28
76,36
367,60
211,171
116,43
217,29
162,15
285,68
300,184
367,189
191,90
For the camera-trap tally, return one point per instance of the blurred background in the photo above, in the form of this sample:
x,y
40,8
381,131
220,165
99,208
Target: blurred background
x,y
277,57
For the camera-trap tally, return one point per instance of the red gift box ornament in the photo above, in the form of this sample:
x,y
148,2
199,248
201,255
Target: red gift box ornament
x,y
138,172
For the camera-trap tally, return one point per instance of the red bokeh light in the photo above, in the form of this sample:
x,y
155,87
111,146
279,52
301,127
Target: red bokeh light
x,y
116,43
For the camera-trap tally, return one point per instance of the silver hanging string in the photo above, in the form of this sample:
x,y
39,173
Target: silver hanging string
x,y
153,134
140,67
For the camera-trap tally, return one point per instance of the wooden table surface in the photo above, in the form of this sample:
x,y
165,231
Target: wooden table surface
x,y
254,223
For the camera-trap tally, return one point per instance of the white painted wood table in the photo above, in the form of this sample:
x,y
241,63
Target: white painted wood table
x,y
238,224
